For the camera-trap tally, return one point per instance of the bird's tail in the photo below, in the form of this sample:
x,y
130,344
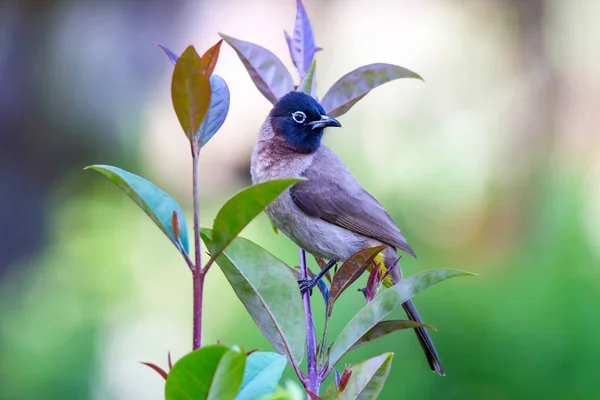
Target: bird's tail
x,y
394,277
432,357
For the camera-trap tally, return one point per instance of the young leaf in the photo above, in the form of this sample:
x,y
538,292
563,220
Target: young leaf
x,y
267,71
350,271
156,203
368,316
172,56
210,58
217,110
242,208
365,381
190,91
308,84
263,372
156,368
211,372
218,107
303,47
175,224
352,87
384,328
346,374
268,290
372,283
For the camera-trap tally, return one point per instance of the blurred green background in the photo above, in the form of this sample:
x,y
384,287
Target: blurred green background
x,y
492,166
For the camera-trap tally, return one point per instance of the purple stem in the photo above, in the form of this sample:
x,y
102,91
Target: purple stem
x,y
197,272
313,382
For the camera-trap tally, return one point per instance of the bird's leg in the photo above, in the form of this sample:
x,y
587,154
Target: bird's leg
x,y
309,284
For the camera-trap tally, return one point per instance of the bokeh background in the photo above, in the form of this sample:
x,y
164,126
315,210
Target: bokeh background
x,y
492,166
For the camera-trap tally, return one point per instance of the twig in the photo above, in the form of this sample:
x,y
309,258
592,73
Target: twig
x,y
313,382
198,274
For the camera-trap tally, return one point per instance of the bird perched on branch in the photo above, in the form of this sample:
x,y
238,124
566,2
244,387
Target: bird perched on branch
x,y
330,215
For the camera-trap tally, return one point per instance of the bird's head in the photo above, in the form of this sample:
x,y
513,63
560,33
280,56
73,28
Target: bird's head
x,y
300,120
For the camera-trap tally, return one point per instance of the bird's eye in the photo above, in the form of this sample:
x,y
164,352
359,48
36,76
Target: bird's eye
x,y
299,117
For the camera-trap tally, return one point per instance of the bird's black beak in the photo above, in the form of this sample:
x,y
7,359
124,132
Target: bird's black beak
x,y
324,122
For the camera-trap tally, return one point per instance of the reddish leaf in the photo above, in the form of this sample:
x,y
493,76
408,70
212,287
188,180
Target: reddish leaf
x,y
344,378
350,271
372,283
209,59
175,224
352,87
190,91
158,369
250,352
169,361
267,71
312,395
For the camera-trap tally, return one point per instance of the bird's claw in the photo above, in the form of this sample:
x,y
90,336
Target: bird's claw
x,y
307,284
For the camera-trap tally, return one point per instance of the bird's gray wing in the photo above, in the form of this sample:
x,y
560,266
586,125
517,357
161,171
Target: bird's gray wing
x,y
333,194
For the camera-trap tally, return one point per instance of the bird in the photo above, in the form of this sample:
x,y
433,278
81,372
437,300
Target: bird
x,y
329,214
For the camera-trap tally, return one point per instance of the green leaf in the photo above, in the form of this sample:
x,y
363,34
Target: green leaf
x,y
267,71
242,208
384,328
366,381
350,271
263,372
190,91
268,290
352,87
211,372
308,84
381,306
156,203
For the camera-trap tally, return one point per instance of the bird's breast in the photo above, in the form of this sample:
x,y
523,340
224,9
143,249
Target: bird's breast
x,y
270,160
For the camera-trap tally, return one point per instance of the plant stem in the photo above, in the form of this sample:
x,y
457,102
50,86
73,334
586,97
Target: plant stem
x,y
197,273
322,350
313,381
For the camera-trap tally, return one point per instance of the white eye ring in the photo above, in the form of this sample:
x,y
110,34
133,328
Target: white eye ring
x,y
299,117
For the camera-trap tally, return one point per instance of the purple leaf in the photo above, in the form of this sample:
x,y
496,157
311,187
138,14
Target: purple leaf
x,y
308,84
217,110
267,71
352,87
372,283
337,379
288,39
303,47
172,56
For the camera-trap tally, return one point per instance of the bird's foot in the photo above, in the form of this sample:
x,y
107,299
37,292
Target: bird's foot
x,y
307,284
